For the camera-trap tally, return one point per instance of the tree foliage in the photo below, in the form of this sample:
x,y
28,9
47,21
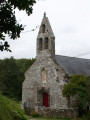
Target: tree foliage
x,y
10,110
8,22
12,75
78,86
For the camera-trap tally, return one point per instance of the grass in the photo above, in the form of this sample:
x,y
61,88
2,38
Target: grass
x,y
41,118
54,119
10,110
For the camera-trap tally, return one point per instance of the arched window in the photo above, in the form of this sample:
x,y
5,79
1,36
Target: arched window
x,y
40,44
46,43
43,28
44,76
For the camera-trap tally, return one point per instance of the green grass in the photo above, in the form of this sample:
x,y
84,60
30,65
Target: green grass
x,y
10,110
41,118
51,119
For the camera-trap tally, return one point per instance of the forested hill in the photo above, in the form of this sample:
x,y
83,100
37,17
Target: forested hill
x,y
12,75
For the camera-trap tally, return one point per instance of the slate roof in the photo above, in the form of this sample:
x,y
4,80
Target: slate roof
x,y
73,65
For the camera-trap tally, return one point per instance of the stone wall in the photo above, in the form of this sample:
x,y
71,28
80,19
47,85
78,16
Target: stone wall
x,y
42,36
54,113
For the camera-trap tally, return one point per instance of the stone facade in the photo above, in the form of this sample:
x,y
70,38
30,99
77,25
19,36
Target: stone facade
x,y
46,76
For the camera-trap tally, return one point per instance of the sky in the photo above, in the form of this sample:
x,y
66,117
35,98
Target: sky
x,y
70,22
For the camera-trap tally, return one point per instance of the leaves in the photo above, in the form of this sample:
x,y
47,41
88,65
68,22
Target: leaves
x,y
5,46
8,22
79,86
12,75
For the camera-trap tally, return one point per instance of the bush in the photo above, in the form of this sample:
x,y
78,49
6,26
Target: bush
x,y
10,110
86,117
18,115
34,114
88,113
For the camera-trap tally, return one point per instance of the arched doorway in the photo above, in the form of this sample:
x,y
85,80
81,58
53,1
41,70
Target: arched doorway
x,y
45,99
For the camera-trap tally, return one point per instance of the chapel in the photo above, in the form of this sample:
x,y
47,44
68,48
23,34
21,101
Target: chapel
x,y
44,80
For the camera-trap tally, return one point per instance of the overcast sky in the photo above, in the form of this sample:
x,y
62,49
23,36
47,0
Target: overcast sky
x,y
70,21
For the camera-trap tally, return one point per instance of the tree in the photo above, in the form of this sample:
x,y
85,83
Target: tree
x,y
78,86
8,22
12,76
24,64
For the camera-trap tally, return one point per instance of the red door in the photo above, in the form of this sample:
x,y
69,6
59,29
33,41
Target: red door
x,y
45,99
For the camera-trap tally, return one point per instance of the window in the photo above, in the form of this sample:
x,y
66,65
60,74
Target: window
x,y
46,43
40,44
43,28
43,76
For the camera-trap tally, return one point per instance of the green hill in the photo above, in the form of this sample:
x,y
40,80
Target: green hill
x,y
10,110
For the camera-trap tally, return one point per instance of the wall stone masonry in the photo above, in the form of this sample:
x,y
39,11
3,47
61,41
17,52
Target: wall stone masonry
x,y
54,113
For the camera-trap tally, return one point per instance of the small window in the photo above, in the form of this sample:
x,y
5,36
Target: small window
x,y
40,44
43,28
46,43
43,76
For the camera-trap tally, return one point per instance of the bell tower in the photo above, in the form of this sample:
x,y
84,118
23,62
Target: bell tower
x,y
45,40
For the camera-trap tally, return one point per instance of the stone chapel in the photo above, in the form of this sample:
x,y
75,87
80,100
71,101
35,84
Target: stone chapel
x,y
44,80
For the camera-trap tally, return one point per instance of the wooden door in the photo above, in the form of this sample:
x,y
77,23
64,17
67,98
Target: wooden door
x,y
45,99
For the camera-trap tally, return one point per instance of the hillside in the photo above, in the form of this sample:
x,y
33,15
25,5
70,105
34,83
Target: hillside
x,y
10,110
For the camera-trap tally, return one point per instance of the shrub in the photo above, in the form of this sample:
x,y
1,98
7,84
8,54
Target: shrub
x,y
10,110
34,114
18,115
